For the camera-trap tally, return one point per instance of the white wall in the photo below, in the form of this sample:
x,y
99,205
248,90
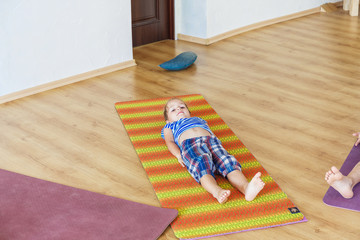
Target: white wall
x,y
192,17
47,40
208,18
42,41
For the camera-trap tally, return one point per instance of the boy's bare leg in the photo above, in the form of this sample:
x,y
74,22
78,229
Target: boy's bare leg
x,y
343,184
355,174
209,183
249,189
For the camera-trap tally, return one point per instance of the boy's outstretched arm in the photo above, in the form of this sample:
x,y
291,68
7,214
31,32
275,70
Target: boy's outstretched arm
x,y
172,146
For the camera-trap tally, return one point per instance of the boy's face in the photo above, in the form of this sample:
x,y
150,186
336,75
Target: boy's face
x,y
176,109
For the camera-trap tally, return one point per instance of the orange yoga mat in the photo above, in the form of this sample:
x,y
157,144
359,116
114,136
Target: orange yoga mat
x,y
200,215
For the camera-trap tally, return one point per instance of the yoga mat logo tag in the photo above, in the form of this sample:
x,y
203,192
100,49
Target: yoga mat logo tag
x,y
294,210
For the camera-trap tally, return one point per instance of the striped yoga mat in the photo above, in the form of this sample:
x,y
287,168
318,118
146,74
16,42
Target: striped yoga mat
x,y
200,215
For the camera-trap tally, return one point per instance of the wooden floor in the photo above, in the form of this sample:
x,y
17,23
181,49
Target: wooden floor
x,y
289,91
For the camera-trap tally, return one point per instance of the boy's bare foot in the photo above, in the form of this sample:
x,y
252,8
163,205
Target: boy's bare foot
x,y
254,187
341,183
222,195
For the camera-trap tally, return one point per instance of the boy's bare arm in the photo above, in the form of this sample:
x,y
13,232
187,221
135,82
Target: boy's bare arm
x,y
172,146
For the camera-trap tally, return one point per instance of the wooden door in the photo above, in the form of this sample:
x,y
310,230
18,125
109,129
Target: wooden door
x,y
152,21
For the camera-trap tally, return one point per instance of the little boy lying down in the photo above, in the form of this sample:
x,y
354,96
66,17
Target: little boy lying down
x,y
192,142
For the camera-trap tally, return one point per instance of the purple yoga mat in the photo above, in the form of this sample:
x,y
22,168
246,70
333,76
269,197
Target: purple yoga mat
x,y
333,198
34,209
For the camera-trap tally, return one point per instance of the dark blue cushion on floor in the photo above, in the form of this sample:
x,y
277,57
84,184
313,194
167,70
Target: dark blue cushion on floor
x,y
181,61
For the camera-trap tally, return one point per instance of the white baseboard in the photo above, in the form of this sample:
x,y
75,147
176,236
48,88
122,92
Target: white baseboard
x,y
66,81
208,41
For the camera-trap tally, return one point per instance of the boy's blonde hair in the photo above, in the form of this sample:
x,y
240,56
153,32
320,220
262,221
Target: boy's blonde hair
x,y
167,103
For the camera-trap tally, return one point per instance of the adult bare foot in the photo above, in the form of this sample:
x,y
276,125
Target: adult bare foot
x,y
222,195
254,187
341,183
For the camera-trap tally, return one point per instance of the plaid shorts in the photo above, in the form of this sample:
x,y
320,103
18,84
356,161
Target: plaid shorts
x,y
205,155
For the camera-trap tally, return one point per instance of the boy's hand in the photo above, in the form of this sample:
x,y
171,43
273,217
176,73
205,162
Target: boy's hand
x,y
358,136
181,161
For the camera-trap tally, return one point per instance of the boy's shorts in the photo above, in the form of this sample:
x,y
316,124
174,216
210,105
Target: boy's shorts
x,y
205,155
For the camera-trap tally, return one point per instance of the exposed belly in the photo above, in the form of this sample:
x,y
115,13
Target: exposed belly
x,y
193,133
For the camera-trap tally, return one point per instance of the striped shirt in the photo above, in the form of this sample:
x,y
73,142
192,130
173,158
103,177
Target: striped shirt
x,y
180,126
